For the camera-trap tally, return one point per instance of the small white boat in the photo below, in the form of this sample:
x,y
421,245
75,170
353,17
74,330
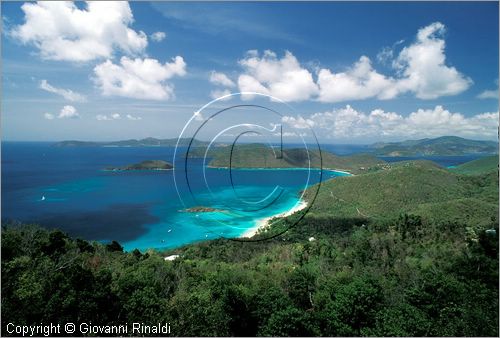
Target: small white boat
x,y
169,230
43,198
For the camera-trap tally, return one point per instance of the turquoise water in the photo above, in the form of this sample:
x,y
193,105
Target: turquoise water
x,y
186,227
66,188
238,208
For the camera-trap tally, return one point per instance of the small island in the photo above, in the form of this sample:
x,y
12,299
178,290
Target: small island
x,y
202,209
144,165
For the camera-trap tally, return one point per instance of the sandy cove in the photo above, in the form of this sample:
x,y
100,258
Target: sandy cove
x,y
264,222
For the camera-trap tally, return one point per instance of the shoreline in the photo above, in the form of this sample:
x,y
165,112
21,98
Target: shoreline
x,y
264,222
154,169
291,168
340,171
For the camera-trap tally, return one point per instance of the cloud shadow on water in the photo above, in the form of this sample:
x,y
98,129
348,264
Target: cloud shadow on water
x,y
121,222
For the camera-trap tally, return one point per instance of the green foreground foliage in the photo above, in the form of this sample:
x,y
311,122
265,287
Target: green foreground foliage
x,y
404,274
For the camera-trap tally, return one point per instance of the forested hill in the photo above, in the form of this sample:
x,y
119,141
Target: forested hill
x,y
144,165
419,258
479,166
417,187
262,156
441,146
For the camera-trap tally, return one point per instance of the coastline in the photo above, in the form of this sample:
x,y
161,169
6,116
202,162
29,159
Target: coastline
x,y
340,171
291,168
153,169
264,222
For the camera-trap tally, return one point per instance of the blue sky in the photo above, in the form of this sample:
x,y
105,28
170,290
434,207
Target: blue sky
x,y
353,72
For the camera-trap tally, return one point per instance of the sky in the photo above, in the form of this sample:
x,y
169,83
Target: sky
x,y
351,72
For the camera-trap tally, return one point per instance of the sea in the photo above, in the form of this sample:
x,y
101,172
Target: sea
x,y
68,188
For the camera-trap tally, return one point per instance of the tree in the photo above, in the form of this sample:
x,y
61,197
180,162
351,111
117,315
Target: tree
x,y
114,246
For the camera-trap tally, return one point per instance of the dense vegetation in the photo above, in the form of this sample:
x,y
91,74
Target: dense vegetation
x,y
262,156
144,165
445,145
394,269
417,187
479,166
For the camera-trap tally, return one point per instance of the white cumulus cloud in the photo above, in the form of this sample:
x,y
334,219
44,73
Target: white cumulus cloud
x,y
298,122
158,36
283,78
221,79
62,31
357,83
138,78
66,93
116,116
424,69
67,112
111,117
348,123
420,69
133,118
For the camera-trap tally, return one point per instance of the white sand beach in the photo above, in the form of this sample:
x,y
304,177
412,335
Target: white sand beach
x,y
339,171
264,222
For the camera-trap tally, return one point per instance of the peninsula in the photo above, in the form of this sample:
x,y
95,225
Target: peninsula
x,y
257,155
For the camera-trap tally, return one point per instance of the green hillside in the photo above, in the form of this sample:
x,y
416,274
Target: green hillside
x,y
446,145
480,166
261,156
416,187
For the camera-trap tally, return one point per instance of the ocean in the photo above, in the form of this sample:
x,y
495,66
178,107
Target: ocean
x,y
67,188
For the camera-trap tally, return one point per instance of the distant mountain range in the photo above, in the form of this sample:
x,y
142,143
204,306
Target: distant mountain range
x,y
146,142
441,146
